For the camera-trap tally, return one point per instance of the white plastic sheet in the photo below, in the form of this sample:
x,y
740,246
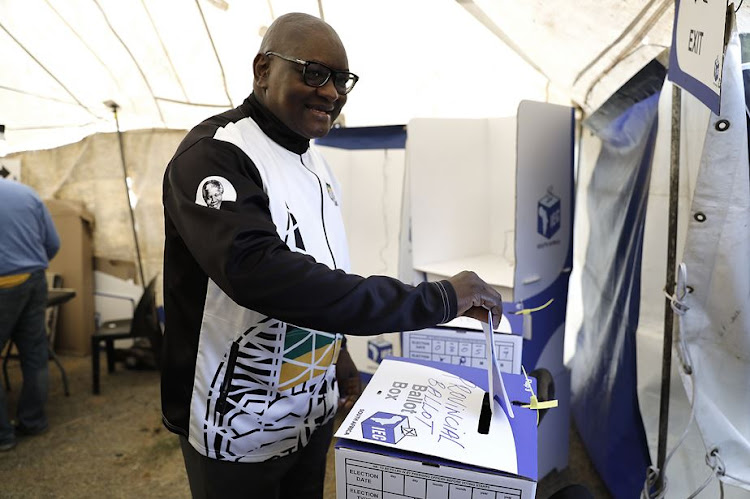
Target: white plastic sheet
x,y
716,326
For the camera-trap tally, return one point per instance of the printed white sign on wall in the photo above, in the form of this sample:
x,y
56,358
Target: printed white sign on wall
x,y
696,58
10,169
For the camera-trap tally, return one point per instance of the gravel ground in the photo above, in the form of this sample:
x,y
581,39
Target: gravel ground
x,y
114,445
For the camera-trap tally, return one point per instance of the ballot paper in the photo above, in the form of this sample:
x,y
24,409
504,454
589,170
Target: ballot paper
x,y
494,380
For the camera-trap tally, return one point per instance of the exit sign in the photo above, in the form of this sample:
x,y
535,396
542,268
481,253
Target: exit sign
x,y
696,59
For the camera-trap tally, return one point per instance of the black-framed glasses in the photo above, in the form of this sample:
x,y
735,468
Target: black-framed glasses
x,y
316,74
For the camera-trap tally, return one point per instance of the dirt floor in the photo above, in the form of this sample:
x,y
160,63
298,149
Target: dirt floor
x,y
114,445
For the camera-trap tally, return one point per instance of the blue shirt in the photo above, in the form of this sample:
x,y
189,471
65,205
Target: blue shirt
x,y
28,239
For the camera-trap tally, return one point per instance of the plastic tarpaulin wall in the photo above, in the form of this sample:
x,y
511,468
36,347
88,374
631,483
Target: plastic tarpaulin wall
x,y
90,172
715,327
604,388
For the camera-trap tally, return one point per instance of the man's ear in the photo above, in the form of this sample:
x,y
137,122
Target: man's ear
x,y
260,70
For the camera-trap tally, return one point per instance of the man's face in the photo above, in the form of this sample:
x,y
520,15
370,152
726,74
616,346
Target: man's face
x,y
307,111
213,196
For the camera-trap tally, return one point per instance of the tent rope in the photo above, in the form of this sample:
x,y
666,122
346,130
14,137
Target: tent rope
x,y
617,40
164,49
46,70
216,54
629,49
133,58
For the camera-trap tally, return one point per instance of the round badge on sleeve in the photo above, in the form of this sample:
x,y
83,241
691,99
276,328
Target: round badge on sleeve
x,y
214,190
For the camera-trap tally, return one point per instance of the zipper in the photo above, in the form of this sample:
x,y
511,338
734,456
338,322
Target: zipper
x,y
322,210
221,404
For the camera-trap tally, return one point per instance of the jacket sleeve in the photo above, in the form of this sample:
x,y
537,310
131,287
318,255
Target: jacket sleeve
x,y
238,247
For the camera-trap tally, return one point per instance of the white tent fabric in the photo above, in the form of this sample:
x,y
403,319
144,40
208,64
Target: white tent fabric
x,y
90,172
715,327
170,63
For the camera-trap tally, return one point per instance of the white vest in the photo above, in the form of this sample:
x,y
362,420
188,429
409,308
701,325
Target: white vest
x,y
260,384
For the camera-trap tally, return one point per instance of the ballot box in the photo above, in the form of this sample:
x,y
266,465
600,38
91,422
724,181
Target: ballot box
x,y
419,430
462,342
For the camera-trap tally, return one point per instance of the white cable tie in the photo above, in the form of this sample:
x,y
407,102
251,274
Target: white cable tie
x,y
714,461
678,306
680,291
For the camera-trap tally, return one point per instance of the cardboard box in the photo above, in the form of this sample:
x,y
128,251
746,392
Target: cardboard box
x,y
369,351
462,342
75,263
413,433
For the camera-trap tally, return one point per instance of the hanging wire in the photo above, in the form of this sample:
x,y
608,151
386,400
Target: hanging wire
x,y
713,460
653,473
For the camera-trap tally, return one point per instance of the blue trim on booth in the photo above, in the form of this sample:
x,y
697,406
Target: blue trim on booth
x,y
370,137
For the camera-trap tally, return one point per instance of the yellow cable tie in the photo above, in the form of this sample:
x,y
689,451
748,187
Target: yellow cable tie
x,y
534,401
538,406
527,311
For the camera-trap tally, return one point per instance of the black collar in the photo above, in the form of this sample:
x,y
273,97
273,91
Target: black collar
x,y
273,127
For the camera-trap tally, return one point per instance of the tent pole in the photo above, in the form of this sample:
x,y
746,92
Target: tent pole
x,y
674,185
113,105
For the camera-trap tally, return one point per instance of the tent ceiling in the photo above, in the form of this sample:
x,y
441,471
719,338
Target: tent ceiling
x,y
170,63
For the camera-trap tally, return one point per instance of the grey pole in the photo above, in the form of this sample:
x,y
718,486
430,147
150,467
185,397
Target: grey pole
x,y
666,365
114,106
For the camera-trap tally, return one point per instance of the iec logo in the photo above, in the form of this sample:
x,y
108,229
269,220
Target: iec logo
x,y
548,215
385,427
378,349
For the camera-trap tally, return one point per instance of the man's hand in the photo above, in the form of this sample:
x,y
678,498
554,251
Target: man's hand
x,y
475,297
347,376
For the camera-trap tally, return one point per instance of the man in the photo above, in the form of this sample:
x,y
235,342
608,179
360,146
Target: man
x,y
212,193
256,293
28,240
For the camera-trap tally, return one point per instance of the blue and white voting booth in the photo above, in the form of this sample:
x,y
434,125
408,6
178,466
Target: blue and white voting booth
x,y
496,196
490,195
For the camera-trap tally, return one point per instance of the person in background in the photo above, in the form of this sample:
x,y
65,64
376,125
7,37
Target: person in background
x,y
257,293
28,240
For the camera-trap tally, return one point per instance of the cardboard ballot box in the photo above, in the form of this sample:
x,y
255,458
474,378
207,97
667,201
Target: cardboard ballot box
x,y
462,342
414,433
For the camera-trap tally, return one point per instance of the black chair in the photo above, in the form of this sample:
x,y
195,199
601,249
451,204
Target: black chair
x,y
143,325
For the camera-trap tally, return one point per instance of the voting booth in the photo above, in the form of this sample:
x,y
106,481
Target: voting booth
x,y
494,196
415,433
